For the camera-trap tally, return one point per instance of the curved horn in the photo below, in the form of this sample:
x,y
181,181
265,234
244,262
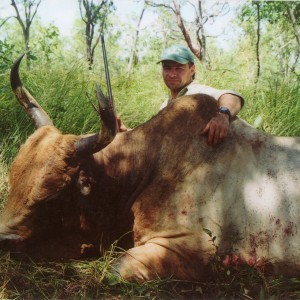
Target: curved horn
x,y
38,116
109,128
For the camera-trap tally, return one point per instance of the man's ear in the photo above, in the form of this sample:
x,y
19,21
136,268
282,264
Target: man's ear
x,y
193,69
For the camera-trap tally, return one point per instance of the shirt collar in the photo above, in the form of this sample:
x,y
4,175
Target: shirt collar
x,y
182,92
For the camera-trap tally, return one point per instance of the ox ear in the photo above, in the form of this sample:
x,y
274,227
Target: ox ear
x,y
36,113
109,127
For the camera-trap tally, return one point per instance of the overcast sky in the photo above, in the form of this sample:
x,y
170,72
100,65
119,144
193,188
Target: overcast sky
x,y
63,13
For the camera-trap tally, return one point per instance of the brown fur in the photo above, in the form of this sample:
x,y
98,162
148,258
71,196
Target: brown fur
x,y
68,206
47,187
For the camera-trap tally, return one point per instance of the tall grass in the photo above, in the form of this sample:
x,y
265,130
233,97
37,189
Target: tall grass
x,y
61,90
64,92
275,107
3,182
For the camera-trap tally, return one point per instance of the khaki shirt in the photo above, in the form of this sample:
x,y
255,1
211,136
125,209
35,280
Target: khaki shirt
x,y
196,88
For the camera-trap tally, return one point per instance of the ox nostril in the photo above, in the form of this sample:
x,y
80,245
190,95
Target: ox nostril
x,y
10,242
6,237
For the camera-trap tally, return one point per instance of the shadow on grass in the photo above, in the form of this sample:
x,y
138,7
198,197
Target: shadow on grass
x,y
26,279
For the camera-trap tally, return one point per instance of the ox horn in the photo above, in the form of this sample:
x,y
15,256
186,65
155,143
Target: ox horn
x,y
38,116
85,145
109,128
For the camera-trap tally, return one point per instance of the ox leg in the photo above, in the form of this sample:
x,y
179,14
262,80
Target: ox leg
x,y
152,261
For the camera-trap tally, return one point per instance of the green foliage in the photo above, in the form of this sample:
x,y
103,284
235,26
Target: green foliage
x,y
46,41
279,38
271,11
6,55
59,79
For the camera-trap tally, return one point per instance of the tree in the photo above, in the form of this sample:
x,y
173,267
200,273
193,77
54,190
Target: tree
x,y
284,14
258,41
29,8
46,40
133,54
194,30
2,22
6,55
94,16
293,14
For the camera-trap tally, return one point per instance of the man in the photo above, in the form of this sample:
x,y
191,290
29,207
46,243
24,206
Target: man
x,y
178,71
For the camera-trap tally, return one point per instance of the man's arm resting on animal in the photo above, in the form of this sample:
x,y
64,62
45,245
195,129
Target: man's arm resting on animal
x,y
232,102
217,128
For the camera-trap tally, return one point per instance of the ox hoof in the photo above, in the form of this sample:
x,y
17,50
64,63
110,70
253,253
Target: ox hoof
x,y
133,270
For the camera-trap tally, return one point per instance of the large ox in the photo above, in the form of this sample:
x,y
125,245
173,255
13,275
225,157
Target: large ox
x,y
175,200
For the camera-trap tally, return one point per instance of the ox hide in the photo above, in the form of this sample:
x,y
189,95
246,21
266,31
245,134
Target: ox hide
x,y
165,189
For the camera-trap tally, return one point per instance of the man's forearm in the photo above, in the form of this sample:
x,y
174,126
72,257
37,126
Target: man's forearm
x,y
232,102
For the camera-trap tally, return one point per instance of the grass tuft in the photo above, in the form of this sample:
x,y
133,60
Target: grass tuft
x,y
95,279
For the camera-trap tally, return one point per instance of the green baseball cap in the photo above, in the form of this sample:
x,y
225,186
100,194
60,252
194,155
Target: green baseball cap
x,y
177,53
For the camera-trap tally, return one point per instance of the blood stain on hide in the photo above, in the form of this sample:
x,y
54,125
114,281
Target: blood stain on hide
x,y
256,144
171,216
184,212
289,230
253,247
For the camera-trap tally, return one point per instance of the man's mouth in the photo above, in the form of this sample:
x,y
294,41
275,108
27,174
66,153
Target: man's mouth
x,y
173,80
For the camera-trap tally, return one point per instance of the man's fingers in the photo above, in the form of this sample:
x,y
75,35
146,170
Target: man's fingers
x,y
215,140
223,133
216,130
205,130
210,131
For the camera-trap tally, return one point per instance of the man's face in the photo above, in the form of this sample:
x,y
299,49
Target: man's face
x,y
176,76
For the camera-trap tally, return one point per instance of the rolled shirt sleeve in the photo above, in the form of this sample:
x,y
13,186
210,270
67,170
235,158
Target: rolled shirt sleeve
x,y
196,88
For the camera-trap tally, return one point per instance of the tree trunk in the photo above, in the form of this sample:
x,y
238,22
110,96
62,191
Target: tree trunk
x,y
185,32
199,49
89,33
297,36
25,24
133,53
201,37
92,16
257,43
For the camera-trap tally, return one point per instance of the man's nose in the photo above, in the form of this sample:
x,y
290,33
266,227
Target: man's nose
x,y
172,73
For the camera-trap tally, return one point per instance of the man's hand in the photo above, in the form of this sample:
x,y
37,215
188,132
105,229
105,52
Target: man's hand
x,y
216,129
122,127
